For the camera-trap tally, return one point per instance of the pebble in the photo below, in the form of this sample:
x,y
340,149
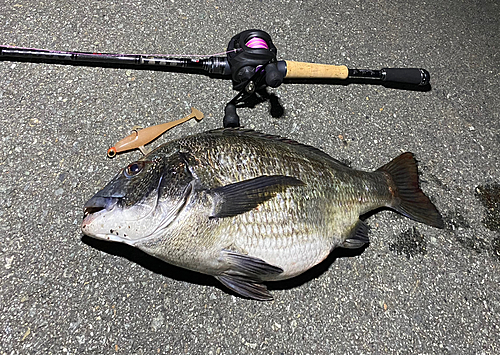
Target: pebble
x,y
157,321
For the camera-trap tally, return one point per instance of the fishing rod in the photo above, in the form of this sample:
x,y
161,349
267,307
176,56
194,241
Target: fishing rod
x,y
250,63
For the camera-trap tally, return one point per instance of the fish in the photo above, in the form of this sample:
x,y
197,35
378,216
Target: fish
x,y
249,208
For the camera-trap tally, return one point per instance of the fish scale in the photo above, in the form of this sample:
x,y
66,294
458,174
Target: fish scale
x,y
280,245
247,207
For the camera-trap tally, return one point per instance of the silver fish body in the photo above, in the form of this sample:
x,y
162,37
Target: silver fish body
x,y
247,207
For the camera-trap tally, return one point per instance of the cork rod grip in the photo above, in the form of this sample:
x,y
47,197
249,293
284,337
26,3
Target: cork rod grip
x,y
301,70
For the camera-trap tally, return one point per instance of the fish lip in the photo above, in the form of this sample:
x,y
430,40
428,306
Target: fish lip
x,y
99,203
111,238
91,210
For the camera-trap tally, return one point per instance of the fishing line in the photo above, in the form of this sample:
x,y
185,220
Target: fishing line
x,y
257,42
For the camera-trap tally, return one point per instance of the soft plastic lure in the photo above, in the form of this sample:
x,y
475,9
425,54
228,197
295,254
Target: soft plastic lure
x,y
142,137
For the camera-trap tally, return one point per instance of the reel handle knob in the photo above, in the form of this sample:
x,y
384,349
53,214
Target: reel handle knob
x,y
274,77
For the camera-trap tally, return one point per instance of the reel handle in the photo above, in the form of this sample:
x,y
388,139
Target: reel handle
x,y
274,77
231,118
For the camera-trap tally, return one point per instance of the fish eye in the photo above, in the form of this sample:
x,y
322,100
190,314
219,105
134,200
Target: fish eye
x,y
134,169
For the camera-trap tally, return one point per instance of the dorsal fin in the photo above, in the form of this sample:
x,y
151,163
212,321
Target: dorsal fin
x,y
252,133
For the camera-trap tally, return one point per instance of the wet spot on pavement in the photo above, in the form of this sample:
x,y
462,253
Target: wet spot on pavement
x,y
410,243
489,195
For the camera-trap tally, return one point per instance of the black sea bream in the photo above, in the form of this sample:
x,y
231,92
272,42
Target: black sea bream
x,y
247,207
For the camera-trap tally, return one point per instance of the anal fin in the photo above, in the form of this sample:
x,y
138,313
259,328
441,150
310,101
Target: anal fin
x,y
359,236
245,287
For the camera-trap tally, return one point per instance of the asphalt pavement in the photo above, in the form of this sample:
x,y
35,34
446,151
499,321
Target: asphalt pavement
x,y
414,290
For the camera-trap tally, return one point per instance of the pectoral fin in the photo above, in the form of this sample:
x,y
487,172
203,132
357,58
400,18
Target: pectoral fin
x,y
245,273
243,196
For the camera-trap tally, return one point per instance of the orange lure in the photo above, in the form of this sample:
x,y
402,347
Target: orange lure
x,y
141,137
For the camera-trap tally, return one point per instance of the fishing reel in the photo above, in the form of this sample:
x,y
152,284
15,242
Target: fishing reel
x,y
253,65
247,52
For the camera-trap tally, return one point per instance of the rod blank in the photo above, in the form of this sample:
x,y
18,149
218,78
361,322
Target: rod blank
x,y
212,65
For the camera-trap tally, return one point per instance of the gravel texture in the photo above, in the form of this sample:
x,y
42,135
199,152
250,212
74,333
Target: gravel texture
x,y
414,290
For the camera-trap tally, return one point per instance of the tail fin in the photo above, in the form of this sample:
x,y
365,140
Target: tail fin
x,y
409,200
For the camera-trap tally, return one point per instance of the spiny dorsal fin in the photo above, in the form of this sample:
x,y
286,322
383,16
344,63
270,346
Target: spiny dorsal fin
x,y
252,133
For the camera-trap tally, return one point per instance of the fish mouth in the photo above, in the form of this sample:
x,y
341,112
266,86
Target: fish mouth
x,y
91,211
98,203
